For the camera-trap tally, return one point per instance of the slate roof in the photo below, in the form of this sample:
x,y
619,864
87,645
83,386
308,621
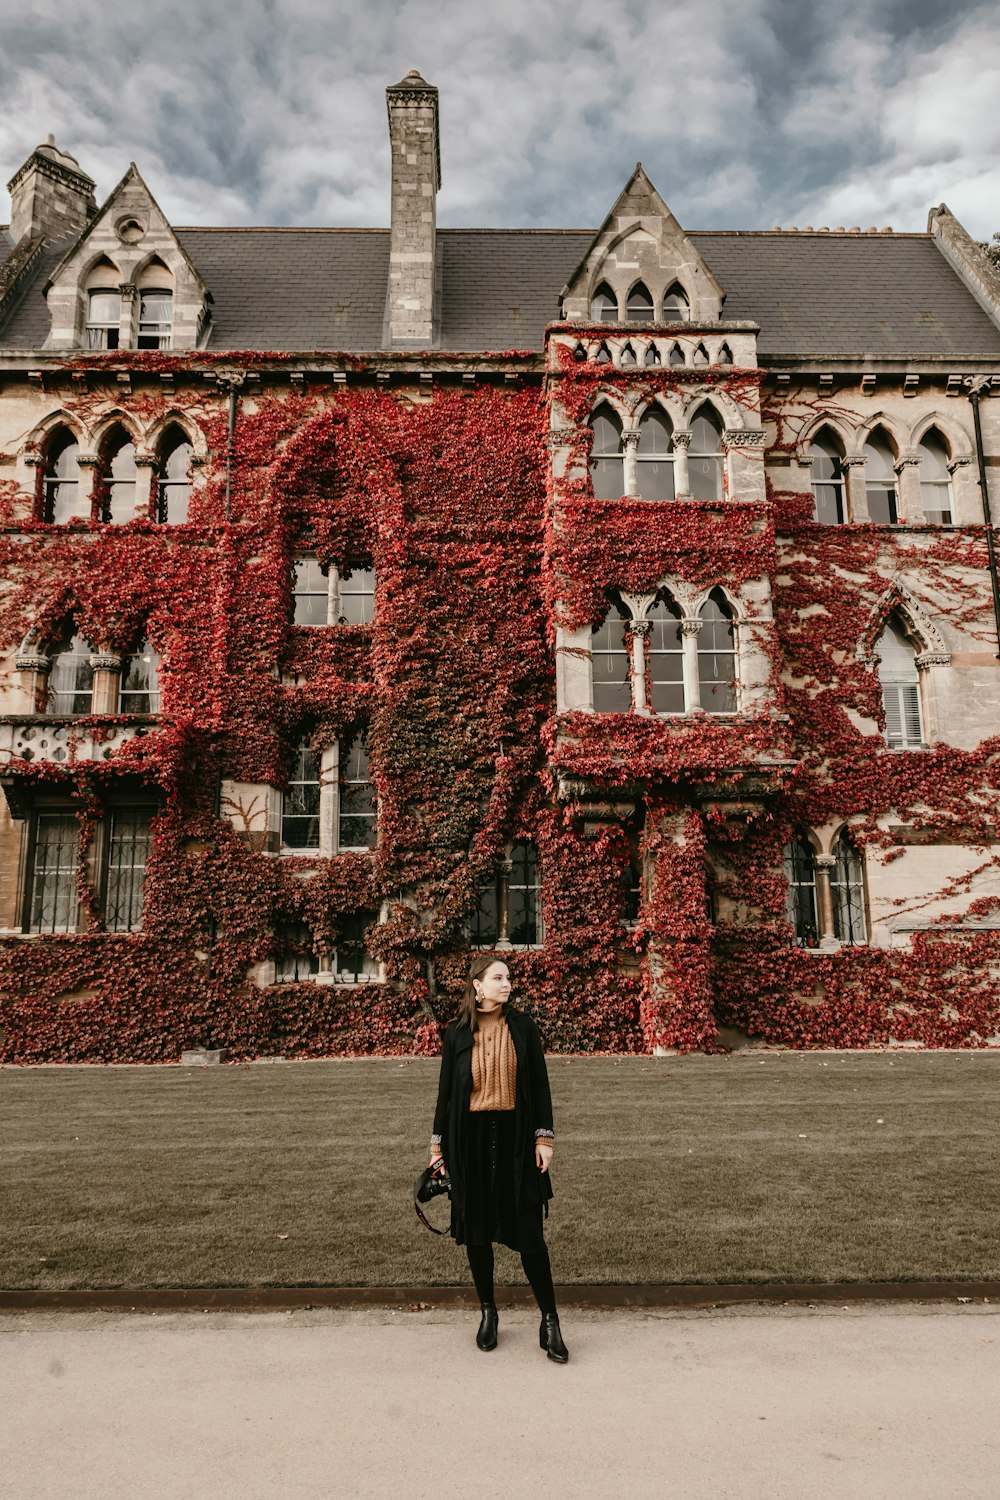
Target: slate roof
x,y
306,289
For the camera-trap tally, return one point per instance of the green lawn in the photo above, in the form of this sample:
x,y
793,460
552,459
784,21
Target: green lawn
x,y
755,1167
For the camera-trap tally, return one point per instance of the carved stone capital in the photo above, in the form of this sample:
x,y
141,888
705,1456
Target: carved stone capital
x,y
824,861
561,437
32,661
908,459
691,625
957,463
105,661
682,437
88,460
630,437
852,461
32,458
743,437
127,291
927,659
145,460
641,627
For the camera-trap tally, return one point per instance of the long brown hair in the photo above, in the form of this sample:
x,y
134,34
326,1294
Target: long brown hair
x,y
478,967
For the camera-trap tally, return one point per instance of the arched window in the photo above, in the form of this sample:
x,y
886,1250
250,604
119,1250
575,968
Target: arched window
x,y
116,499
655,457
897,670
173,477
300,803
827,480
104,306
610,658
639,308
652,355
847,886
140,682
935,479
880,479
607,466
62,477
676,355
717,656
155,318
509,909
705,456
357,796
676,308
666,657
628,358
604,305
71,679
800,872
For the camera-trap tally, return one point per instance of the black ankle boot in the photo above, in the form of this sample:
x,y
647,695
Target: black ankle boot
x,y
550,1338
486,1338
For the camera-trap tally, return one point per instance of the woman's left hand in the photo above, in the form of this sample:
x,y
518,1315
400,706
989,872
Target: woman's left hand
x,y
543,1155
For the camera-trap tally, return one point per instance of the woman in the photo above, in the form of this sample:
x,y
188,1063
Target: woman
x,y
493,1123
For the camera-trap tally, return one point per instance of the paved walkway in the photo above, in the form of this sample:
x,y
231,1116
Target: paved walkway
x,y
859,1403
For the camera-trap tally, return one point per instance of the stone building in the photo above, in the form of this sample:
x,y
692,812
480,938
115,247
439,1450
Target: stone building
x,y
623,600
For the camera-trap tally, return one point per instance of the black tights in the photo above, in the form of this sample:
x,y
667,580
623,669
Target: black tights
x,y
537,1268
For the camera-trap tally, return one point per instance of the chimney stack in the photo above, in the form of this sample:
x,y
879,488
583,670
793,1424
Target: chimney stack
x,y
50,196
411,311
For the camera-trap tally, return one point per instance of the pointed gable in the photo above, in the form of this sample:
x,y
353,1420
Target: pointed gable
x,y
641,241
130,247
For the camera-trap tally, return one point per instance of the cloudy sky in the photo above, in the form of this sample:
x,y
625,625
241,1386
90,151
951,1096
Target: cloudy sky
x,y
745,113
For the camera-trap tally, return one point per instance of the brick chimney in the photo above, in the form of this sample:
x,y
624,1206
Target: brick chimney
x,y
50,196
411,310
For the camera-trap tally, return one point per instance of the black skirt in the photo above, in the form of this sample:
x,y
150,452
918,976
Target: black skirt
x,y
491,1215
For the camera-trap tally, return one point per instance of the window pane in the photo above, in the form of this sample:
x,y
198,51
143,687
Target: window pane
x,y
847,887
300,804
880,481
654,458
357,798
606,464
128,851
311,592
103,319
630,887
604,306
675,305
666,661
705,459
140,684
62,480
119,482
357,596
53,898
827,484
900,689
484,927
716,659
640,305
935,480
296,958
71,679
155,314
174,480
800,872
610,665
353,964
523,896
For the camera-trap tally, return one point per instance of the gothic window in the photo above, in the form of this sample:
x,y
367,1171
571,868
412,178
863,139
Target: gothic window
x,y
676,308
800,872
676,355
116,499
666,657
356,591
129,837
700,356
652,356
155,318
352,963
935,479
140,682
610,655
897,670
607,466
296,958
827,480
61,484
311,592
705,456
51,893
847,887
71,679
104,311
880,479
717,656
579,354
628,358
509,909
639,308
655,458
357,797
604,305
173,477
300,803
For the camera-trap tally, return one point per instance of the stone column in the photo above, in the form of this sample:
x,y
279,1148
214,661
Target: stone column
x,y
690,630
416,178
88,464
909,505
639,631
128,315
630,443
823,864
503,903
682,482
107,670
855,496
34,668
145,485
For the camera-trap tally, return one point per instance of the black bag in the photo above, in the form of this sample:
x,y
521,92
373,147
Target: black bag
x,y
432,1182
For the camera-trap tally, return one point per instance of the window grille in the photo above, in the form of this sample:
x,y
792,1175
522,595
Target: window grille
x,y
827,482
666,658
140,683
104,311
717,656
800,872
352,963
705,457
296,959
62,479
847,886
935,479
129,839
155,319
53,899
71,679
311,592
174,480
904,729
655,458
607,465
509,907
300,803
880,481
357,816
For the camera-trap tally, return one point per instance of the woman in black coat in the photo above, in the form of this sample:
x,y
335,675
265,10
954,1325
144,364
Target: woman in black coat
x,y
493,1125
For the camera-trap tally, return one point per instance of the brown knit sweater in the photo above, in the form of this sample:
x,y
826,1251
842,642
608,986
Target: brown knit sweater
x,y
494,1064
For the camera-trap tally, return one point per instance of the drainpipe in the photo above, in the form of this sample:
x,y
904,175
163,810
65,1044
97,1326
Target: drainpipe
x,y
977,389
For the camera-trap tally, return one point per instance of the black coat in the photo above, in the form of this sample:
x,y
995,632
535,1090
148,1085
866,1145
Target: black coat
x,y
532,1109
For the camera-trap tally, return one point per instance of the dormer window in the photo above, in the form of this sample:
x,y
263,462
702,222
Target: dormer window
x,y
104,311
604,305
676,308
155,318
639,308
